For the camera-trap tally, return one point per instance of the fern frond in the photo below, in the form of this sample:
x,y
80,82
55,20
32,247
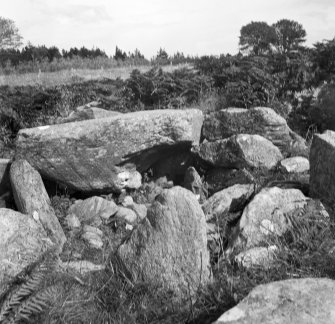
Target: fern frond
x,y
33,305
26,283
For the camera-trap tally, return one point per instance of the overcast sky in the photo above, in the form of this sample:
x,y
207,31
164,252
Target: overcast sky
x,y
195,27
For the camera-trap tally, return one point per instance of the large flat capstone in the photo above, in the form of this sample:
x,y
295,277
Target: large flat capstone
x,y
97,154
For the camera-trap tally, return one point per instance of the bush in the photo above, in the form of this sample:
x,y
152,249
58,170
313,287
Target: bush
x,y
156,89
322,112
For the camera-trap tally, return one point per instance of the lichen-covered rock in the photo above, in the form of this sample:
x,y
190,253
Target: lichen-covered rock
x,y
241,151
260,120
220,178
322,166
170,246
269,214
31,198
298,301
23,241
89,155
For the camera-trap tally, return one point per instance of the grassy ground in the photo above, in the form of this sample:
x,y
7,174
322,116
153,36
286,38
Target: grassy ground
x,y
109,297
49,79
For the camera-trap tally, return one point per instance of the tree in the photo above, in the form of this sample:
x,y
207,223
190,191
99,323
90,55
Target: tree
x,y
119,54
323,56
257,37
9,34
162,54
290,35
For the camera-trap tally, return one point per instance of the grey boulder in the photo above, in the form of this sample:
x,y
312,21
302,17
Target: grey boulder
x,y
322,166
169,247
298,301
23,241
102,154
31,198
259,120
241,151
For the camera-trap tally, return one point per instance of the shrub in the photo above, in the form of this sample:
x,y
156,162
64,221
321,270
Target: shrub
x,y
156,89
322,112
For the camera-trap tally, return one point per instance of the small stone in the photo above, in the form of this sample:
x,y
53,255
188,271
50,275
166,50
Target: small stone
x,y
257,256
72,221
92,229
82,267
297,164
127,215
93,239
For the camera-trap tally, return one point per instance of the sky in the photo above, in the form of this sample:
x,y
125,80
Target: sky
x,y
194,27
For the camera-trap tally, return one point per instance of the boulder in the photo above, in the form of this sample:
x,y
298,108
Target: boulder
x,y
23,241
221,178
322,172
31,198
169,247
231,199
296,164
260,120
241,151
270,213
298,301
96,154
4,176
92,210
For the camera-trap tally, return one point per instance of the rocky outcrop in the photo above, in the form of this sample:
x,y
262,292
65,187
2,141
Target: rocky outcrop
x,y
322,173
31,198
261,120
241,151
99,154
23,241
298,301
170,246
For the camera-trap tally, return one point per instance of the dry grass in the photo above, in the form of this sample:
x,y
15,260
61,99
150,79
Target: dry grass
x,y
49,79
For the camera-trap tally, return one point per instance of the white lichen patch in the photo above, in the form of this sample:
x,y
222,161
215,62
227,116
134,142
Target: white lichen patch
x,y
43,127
